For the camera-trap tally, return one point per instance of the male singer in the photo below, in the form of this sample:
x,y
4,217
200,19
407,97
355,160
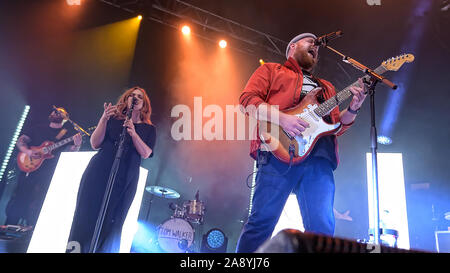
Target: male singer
x,y
285,85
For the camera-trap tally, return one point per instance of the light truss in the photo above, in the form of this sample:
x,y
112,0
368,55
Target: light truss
x,y
210,26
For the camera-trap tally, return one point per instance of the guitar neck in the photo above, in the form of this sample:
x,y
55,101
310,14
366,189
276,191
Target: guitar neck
x,y
326,107
60,143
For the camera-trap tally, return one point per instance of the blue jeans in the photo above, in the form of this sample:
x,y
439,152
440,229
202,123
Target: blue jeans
x,y
313,183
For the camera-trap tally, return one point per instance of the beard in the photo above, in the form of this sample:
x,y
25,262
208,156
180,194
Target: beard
x,y
55,119
304,60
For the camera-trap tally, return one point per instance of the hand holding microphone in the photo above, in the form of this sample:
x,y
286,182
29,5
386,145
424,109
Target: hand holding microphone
x,y
130,127
129,121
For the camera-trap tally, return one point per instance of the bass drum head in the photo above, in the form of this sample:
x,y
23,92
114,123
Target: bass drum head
x,y
175,235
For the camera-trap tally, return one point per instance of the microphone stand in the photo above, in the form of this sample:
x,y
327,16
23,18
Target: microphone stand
x,y
371,80
110,185
78,127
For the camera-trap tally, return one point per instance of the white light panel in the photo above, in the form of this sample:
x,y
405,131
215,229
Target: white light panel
x,y
290,217
55,219
391,191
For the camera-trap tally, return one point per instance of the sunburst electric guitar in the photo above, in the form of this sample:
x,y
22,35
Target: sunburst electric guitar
x,y
30,164
293,150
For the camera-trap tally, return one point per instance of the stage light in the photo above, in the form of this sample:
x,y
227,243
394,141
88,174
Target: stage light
x,y
139,17
215,238
411,42
186,30
214,241
391,195
146,239
261,61
13,142
252,189
385,140
223,44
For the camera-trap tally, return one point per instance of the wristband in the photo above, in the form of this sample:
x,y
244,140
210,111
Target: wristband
x,y
354,112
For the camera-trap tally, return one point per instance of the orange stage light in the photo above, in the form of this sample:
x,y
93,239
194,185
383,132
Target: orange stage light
x,y
186,30
223,43
139,17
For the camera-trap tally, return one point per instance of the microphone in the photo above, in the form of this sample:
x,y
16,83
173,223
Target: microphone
x,y
130,111
324,39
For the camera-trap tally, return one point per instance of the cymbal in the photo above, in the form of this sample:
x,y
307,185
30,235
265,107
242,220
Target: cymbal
x,y
163,192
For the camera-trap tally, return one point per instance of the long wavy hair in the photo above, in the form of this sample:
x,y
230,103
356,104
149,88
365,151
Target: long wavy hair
x,y
122,105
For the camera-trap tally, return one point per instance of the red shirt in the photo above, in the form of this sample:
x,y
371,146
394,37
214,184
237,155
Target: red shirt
x,y
281,85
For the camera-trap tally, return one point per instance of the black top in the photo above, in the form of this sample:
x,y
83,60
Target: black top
x,y
110,143
38,133
95,179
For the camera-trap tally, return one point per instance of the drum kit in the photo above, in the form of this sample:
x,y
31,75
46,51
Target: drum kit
x,y
176,235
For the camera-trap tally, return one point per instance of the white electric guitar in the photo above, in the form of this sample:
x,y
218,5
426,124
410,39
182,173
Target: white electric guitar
x,y
295,150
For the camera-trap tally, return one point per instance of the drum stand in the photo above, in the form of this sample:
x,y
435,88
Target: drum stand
x,y
199,235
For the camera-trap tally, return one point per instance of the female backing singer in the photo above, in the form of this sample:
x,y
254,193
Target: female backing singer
x,y
138,145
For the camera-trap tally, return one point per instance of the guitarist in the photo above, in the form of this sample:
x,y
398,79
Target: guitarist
x,y
312,180
25,204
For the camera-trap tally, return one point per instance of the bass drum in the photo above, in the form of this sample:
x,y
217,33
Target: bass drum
x,y
175,235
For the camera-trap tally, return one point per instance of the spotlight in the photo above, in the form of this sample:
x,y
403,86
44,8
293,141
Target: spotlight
x,y
186,30
214,241
139,17
261,61
223,43
385,140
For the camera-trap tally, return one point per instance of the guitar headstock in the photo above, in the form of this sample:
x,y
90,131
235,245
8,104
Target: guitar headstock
x,y
394,64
